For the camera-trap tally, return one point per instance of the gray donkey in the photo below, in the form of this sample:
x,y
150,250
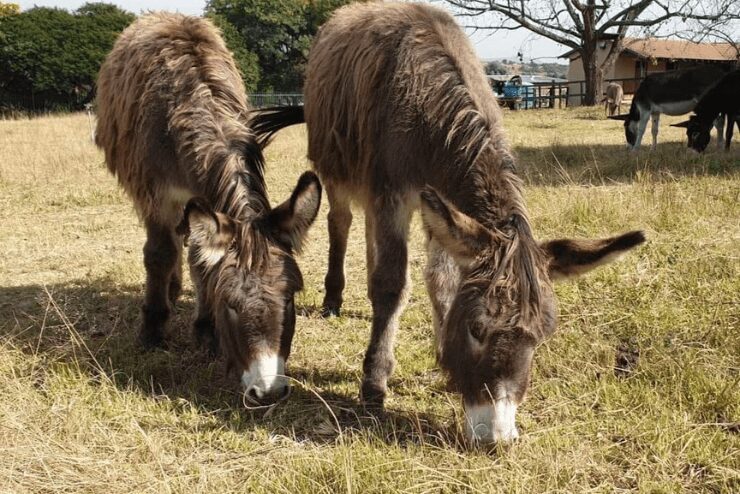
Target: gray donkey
x,y
172,122
400,116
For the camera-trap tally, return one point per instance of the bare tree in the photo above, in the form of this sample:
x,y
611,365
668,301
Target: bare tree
x,y
582,24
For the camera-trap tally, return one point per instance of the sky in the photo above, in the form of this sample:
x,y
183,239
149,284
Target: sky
x,y
505,44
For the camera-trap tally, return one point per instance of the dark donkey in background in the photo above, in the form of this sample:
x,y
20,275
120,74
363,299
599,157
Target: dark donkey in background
x,y
400,115
722,98
672,93
172,123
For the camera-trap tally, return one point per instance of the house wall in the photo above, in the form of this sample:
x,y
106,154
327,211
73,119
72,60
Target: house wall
x,y
625,67
576,73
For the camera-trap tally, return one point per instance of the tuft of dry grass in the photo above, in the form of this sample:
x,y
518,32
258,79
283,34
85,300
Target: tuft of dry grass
x,y
82,409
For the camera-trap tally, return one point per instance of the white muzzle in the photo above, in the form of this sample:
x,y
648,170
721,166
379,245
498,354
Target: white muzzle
x,y
491,422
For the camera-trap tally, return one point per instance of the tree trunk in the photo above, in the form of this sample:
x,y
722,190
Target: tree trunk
x,y
588,55
593,76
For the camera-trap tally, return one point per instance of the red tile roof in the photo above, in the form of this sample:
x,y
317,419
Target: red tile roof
x,y
674,50
679,49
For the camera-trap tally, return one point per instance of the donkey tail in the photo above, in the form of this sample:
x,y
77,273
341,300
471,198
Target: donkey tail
x,y
266,122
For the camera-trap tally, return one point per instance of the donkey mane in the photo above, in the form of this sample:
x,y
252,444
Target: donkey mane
x,y
513,272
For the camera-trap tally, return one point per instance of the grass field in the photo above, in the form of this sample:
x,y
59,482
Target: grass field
x,y
82,409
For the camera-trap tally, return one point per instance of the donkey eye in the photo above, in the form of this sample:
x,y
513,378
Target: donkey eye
x,y
477,333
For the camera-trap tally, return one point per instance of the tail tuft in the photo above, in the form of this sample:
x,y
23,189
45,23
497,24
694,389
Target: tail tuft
x,y
266,122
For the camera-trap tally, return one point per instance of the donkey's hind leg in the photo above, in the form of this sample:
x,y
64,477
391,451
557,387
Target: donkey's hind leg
x,y
175,287
389,287
731,120
160,257
340,220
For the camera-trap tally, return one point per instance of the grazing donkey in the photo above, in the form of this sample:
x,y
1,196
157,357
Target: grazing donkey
x,y
724,98
173,124
400,115
613,98
672,93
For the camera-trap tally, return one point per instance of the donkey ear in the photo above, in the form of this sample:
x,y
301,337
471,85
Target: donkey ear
x,y
210,233
623,116
290,220
569,258
683,124
460,235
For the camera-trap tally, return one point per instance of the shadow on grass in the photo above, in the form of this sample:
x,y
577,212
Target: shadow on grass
x,y
598,164
312,310
93,324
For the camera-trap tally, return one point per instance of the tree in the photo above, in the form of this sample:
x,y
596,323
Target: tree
x,y
8,9
495,68
582,24
246,61
278,32
50,57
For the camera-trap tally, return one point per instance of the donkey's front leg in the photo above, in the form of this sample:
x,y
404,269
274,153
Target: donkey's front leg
x,y
340,219
160,256
719,125
656,124
204,326
388,289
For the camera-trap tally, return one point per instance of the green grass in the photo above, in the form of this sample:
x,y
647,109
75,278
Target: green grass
x,y
82,409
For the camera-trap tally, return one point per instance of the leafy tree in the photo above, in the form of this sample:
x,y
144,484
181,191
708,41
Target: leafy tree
x,y
246,61
495,68
278,32
50,57
8,9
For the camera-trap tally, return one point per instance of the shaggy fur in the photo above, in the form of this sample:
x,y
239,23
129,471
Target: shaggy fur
x,y
173,122
400,115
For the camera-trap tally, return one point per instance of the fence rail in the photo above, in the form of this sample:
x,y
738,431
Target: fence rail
x,y
261,100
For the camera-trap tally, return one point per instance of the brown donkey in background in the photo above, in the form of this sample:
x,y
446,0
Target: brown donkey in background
x,y
172,122
397,104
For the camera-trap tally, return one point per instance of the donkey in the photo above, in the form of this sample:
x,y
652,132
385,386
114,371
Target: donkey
x,y
613,98
722,98
672,93
173,122
400,116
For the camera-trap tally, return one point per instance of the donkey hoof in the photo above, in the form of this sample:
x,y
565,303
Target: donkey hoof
x,y
150,340
372,395
329,311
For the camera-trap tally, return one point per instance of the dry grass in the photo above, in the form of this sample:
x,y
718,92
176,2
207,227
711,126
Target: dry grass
x,y
83,410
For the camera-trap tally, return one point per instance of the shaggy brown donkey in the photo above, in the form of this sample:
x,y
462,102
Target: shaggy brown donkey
x,y
400,116
172,122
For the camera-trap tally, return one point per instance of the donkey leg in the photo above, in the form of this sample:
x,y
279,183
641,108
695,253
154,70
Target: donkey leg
x,y
656,123
731,119
442,277
389,289
340,219
719,124
175,287
160,256
641,127
204,327
369,252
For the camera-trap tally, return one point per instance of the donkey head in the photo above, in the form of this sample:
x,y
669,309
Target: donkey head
x,y
247,276
697,133
502,308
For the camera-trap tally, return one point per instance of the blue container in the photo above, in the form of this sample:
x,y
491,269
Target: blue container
x,y
511,91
